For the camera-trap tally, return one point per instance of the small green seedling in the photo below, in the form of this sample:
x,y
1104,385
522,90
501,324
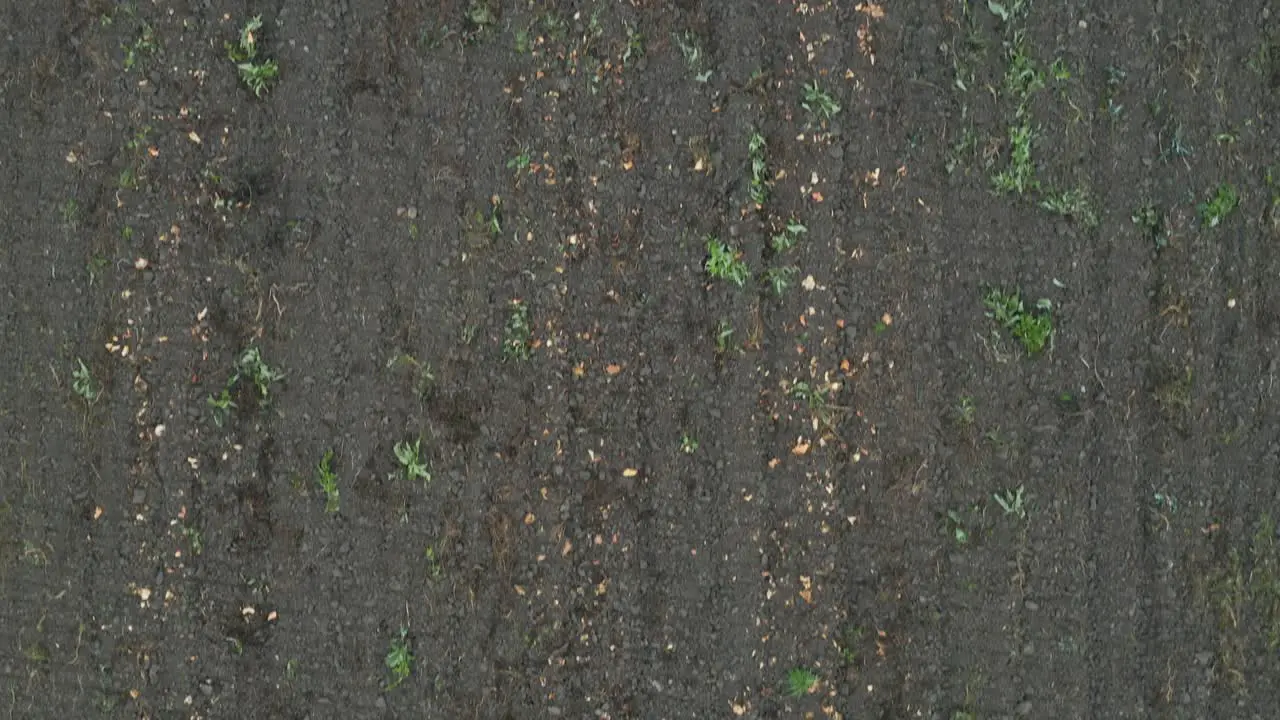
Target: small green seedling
x,y
1165,501
814,397
251,365
801,682
1059,70
789,236
780,278
1034,327
195,539
723,336
328,481
759,190
256,74
399,659
725,263
956,528
635,47
1007,11
691,49
493,223
435,568
1074,204
1013,502
412,465
1216,209
1020,176
83,384
966,411
517,336
1150,220
144,46
221,405
1022,77
688,444
818,102
520,162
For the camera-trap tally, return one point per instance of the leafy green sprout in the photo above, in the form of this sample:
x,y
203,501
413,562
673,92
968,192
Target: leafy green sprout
x,y
251,365
1216,209
966,411
1165,501
780,278
1034,327
255,74
789,236
688,444
690,48
724,336
956,528
801,682
517,334
814,397
759,190
1022,77
1007,11
523,41
818,102
1020,176
1013,502
1178,147
635,46
521,161
1150,220
493,223
412,464
222,405
144,46
83,384
1059,70
328,481
724,262
434,567
399,659
1074,203
848,643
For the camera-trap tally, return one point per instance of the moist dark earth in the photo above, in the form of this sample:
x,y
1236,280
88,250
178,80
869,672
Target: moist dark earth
x,y
479,231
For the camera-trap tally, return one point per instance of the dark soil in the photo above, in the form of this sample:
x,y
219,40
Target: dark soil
x,y
631,511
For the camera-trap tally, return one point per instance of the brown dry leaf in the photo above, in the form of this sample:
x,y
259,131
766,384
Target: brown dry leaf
x,y
773,463
579,370
630,472
802,447
887,319
530,518
806,583
871,9
613,368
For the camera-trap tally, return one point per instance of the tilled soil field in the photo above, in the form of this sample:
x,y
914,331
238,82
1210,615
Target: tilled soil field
x,y
636,359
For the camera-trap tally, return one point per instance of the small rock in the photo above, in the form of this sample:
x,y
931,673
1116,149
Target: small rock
x,y
1023,709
